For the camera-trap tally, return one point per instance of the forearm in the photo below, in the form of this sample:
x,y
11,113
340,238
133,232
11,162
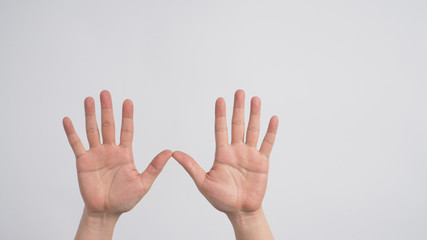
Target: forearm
x,y
99,226
251,226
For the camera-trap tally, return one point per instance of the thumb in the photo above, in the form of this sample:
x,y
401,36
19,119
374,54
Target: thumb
x,y
154,168
191,166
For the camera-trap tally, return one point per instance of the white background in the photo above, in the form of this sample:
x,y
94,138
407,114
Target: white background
x,y
347,79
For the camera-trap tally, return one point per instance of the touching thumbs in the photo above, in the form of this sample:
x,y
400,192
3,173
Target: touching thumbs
x,y
191,166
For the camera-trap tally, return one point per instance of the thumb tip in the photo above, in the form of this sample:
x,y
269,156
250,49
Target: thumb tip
x,y
176,154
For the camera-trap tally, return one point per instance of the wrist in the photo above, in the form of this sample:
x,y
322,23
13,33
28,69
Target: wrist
x,y
99,221
96,225
250,225
246,219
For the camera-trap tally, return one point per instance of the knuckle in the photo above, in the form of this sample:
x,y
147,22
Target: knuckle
x,y
127,130
237,122
269,141
153,170
75,143
253,129
220,129
108,123
92,130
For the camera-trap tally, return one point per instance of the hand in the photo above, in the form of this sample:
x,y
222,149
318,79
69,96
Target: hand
x,y
237,181
109,182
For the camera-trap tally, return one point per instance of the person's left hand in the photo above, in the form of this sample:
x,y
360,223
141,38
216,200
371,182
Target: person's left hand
x,y
237,181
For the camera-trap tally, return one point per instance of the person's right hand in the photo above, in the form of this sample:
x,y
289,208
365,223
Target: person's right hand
x,y
109,182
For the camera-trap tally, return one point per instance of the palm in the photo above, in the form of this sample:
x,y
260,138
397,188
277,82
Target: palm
x,y
238,178
108,179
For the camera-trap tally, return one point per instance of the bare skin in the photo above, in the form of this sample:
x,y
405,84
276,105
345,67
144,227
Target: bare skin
x,y
109,182
237,181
